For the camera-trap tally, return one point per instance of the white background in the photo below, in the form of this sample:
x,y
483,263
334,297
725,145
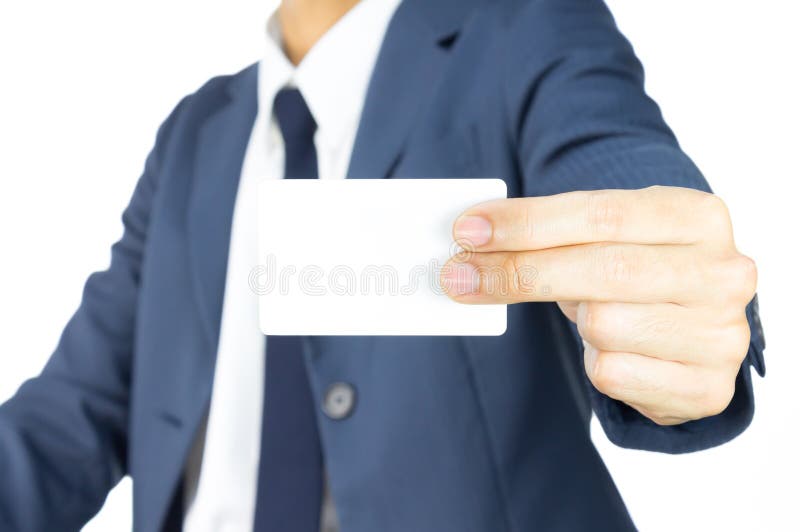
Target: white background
x,y
86,83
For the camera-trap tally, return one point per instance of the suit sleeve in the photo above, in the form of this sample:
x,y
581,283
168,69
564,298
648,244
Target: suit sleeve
x,y
63,435
581,120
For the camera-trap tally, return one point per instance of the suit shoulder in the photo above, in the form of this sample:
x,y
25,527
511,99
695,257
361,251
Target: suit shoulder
x,y
226,83
219,88
179,128
209,97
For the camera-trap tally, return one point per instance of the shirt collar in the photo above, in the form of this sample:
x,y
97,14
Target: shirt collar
x,y
334,75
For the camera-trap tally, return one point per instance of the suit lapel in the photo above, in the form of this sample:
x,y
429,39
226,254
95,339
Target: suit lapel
x,y
222,117
222,142
413,55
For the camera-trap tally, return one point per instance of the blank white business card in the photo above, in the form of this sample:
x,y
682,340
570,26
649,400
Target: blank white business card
x,y
363,257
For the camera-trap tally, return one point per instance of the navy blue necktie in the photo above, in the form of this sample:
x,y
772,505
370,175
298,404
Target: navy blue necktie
x,y
290,470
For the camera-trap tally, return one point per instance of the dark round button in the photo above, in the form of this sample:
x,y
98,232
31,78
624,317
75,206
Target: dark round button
x,y
339,400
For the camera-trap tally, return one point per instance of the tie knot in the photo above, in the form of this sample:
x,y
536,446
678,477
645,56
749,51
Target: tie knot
x,y
293,116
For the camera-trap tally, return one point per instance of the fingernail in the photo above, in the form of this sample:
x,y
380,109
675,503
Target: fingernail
x,y
472,230
460,278
589,357
580,315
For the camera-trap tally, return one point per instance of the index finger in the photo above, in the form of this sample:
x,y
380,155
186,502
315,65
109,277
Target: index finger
x,y
655,215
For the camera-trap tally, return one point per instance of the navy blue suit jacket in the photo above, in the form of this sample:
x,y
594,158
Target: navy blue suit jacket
x,y
449,433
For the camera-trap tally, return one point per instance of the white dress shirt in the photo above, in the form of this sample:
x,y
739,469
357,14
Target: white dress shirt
x,y
222,471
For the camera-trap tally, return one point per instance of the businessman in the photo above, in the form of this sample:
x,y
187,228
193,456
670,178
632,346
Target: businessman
x,y
642,309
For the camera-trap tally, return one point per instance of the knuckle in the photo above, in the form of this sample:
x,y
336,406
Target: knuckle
x,y
530,227
718,398
654,327
615,264
518,276
715,218
595,326
740,276
606,376
736,343
746,274
605,214
715,214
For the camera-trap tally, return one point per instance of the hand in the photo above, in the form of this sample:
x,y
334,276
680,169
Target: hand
x,y
651,277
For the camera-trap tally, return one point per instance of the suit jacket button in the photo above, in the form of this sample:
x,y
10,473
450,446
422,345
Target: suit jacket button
x,y
339,400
